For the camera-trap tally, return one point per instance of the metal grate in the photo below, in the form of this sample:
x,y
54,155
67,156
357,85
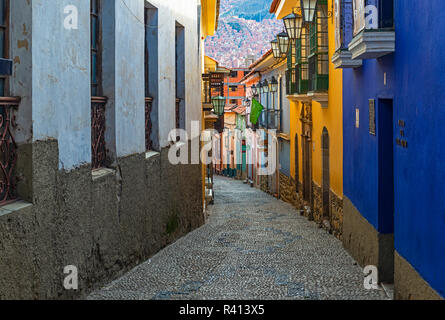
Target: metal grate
x,y
98,132
8,149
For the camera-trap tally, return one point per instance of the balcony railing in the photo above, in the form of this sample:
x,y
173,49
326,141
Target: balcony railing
x,y
295,82
318,77
8,149
148,123
98,132
206,89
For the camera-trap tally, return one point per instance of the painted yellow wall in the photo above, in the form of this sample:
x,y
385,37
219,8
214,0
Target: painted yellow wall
x,y
209,18
332,119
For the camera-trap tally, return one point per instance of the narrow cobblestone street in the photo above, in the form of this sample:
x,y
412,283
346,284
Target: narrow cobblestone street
x,y
252,247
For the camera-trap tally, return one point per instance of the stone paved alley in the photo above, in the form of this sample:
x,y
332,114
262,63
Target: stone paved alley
x,y
252,247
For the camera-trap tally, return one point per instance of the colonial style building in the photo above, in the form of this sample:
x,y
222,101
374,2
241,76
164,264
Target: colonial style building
x,y
316,136
97,87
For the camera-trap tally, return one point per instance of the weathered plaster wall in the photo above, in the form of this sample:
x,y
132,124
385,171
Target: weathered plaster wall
x,y
61,80
104,224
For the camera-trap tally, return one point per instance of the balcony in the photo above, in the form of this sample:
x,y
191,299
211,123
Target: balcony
x,y
295,84
98,149
318,79
342,59
8,150
206,95
372,44
374,41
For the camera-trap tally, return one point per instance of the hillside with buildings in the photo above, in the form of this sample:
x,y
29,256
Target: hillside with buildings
x,y
245,30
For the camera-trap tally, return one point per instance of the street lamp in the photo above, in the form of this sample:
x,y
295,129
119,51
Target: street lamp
x,y
265,86
293,24
283,42
308,9
273,85
275,48
218,105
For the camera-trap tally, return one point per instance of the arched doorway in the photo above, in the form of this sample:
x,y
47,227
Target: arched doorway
x,y
325,174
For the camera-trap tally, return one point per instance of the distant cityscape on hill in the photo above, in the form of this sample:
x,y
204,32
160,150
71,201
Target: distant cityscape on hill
x,y
245,30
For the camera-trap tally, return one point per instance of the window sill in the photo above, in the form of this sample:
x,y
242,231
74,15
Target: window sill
x,y
102,173
150,154
14,206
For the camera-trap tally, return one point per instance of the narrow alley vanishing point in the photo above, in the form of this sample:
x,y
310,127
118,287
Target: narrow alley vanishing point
x,y
253,247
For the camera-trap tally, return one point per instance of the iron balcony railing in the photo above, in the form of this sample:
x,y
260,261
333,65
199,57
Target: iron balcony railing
x,y
99,152
295,80
8,149
148,123
318,80
206,89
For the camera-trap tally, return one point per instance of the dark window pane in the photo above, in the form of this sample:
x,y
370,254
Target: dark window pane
x,y
2,87
2,43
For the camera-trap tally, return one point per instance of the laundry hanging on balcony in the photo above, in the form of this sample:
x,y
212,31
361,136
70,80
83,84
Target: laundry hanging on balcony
x,y
255,112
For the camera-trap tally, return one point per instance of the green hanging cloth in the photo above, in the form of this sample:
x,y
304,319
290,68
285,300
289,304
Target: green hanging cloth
x,y
255,111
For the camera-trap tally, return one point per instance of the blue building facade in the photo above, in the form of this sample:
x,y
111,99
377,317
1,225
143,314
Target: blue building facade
x,y
393,117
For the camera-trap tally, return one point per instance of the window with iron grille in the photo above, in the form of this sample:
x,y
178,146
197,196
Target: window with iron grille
x,y
98,103
96,48
8,146
4,41
301,68
290,72
318,59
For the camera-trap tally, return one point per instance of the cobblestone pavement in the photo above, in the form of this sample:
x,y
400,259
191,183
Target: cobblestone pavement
x,y
253,247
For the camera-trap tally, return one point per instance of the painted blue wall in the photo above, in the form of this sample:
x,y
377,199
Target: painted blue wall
x,y
415,79
360,147
420,168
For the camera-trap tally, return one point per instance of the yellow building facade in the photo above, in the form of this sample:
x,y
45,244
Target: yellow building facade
x,y
316,126
209,25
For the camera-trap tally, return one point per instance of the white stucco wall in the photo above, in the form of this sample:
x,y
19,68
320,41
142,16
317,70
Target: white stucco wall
x,y
52,74
61,80
184,12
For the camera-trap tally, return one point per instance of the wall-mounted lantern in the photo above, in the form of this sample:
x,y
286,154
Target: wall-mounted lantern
x,y
218,105
273,85
308,8
293,24
283,42
265,86
275,48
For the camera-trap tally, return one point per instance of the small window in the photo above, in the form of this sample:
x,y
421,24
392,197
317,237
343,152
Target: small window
x,y
233,88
